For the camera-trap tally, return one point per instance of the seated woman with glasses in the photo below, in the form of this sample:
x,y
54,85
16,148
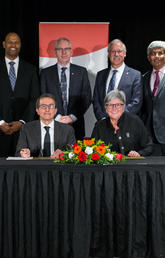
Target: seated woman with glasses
x,y
125,131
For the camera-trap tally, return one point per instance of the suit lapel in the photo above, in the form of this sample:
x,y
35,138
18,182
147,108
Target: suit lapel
x,y
124,76
147,84
4,73
161,86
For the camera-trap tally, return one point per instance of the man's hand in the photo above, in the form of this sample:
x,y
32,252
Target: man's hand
x,y
25,153
15,126
6,128
66,120
55,155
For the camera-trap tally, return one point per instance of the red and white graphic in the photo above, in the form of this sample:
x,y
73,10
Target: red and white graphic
x,y
89,43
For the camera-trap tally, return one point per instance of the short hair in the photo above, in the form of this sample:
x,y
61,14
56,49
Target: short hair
x,y
60,39
115,94
155,44
115,41
45,95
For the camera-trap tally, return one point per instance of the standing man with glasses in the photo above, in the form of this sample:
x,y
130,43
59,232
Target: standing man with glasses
x,y
70,86
19,90
117,76
44,137
152,112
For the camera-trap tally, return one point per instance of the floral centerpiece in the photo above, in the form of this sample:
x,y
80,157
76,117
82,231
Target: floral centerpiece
x,y
90,151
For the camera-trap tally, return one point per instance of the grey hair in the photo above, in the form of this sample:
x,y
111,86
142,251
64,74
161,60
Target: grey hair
x,y
155,44
60,39
115,94
115,41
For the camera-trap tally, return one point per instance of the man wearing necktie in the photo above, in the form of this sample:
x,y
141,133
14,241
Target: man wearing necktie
x,y
19,89
70,85
117,76
152,112
44,137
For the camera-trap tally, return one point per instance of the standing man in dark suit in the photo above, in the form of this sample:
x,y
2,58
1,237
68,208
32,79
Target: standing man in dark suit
x,y
118,76
19,89
70,85
34,140
153,108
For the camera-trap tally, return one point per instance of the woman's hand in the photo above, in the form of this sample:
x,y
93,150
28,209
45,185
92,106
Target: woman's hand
x,y
133,154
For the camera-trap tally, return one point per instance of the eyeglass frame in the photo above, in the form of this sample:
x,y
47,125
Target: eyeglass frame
x,y
45,106
116,105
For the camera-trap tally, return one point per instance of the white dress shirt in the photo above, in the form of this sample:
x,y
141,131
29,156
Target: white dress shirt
x,y
118,76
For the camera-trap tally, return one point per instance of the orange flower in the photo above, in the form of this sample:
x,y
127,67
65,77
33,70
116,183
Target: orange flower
x,y
77,149
100,149
88,142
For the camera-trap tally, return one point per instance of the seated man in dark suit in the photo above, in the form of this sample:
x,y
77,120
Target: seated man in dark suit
x,y
44,137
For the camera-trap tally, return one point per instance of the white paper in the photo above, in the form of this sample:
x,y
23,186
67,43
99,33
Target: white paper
x,y
18,158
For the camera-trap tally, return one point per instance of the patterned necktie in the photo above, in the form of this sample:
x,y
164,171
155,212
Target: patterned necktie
x,y
64,89
46,150
112,82
156,83
12,75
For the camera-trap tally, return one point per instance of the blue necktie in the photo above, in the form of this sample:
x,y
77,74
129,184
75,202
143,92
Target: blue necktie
x,y
64,89
46,150
112,82
12,75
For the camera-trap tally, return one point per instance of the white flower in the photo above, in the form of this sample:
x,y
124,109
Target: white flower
x,y
109,156
71,155
89,150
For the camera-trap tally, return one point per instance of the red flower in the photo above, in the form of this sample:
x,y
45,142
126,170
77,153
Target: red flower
x,y
82,156
102,144
95,156
61,156
119,156
74,145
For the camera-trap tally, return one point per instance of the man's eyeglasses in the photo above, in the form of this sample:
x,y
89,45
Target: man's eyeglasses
x,y
116,51
117,105
159,53
44,106
60,49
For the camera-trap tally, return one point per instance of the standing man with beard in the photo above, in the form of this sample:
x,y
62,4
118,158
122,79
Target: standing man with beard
x,y
19,89
117,76
152,112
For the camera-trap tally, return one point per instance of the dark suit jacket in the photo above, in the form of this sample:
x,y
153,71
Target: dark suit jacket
x,y
130,83
153,109
79,93
30,137
20,103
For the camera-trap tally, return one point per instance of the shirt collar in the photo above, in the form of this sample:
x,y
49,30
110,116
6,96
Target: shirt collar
x,y
16,60
60,66
51,125
121,68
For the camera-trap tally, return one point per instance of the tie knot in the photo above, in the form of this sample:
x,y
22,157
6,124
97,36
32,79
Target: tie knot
x,y
114,71
63,69
157,72
47,128
12,63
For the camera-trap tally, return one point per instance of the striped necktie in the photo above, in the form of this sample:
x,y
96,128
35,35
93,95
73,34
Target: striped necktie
x,y
112,82
12,75
64,89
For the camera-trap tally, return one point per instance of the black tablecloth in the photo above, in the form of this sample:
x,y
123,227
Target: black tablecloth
x,y
52,210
